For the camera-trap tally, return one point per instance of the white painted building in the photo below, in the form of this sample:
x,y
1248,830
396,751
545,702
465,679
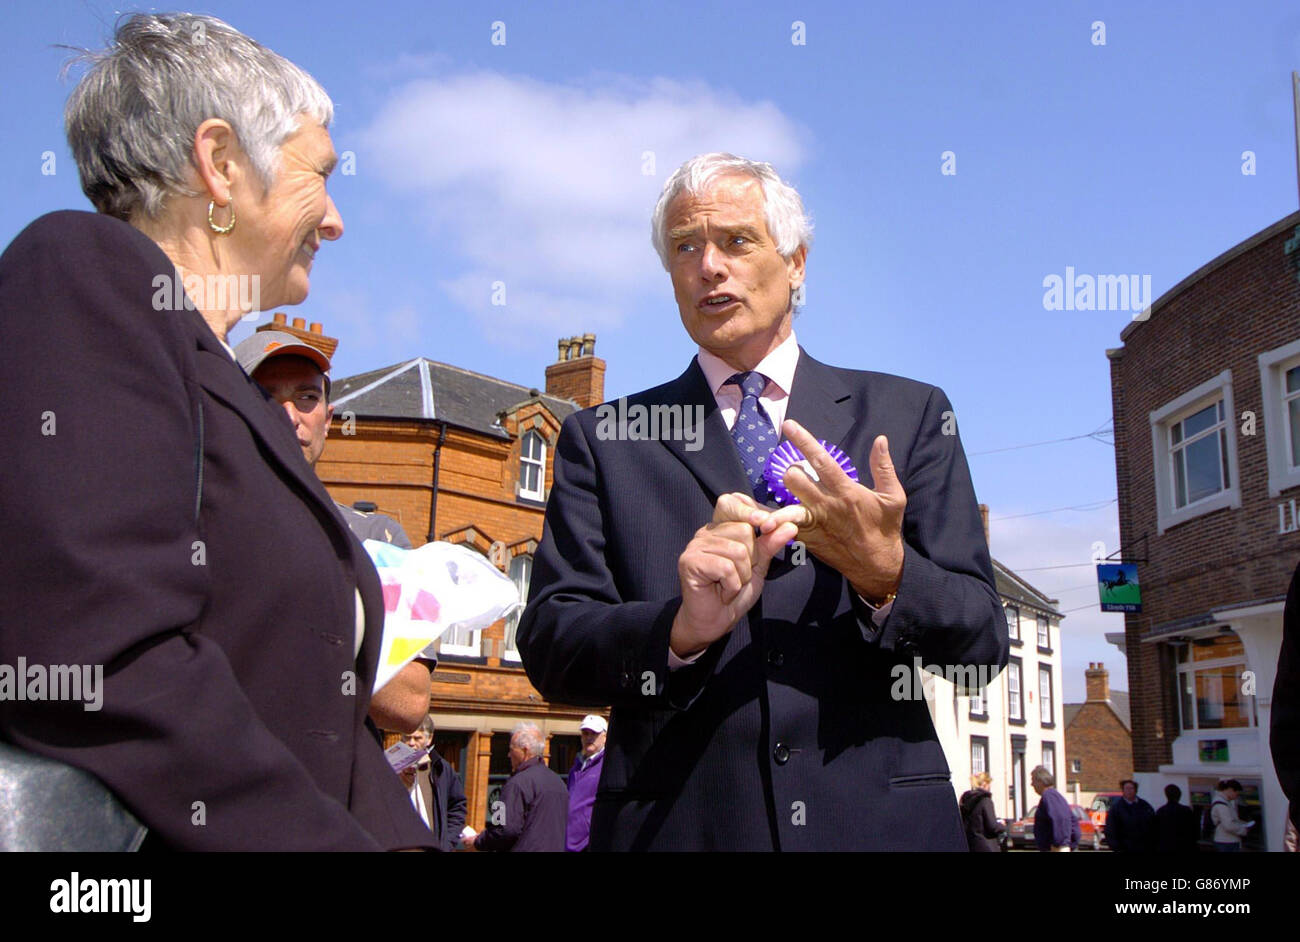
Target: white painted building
x,y
1019,722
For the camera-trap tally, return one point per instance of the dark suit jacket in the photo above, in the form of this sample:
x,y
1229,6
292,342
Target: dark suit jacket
x,y
444,796
231,715
1284,729
784,734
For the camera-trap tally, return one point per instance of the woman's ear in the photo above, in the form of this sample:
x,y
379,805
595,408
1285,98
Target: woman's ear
x,y
217,158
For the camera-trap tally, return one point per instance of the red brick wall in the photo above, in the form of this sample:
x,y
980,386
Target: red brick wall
x,y
1248,305
1100,741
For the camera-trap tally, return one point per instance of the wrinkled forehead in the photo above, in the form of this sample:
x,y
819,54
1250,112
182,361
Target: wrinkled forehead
x,y
734,199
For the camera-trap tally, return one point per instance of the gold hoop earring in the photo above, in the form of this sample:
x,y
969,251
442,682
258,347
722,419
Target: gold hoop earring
x,y
221,230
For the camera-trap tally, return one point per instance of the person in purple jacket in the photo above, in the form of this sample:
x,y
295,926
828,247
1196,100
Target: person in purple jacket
x,y
1055,826
583,779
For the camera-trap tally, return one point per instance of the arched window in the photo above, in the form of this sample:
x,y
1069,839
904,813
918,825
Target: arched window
x,y
521,572
532,466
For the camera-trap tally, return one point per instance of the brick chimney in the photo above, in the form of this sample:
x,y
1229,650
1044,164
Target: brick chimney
x,y
315,335
577,372
984,519
1098,680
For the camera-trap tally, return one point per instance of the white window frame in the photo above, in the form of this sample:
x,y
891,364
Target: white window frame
x,y
1049,757
526,462
1045,695
1013,635
1016,697
1277,427
1044,632
982,742
1076,766
509,650
1190,402
1192,668
473,649
978,703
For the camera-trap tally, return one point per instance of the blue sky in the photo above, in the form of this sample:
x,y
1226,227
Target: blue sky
x,y
526,163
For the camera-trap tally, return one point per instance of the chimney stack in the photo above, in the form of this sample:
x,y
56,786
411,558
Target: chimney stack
x,y
1098,681
314,337
577,372
984,518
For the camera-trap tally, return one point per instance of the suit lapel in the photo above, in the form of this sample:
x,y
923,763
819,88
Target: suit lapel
x,y
223,378
820,401
714,463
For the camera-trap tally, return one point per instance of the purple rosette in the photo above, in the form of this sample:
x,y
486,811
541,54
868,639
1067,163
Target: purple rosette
x,y
787,456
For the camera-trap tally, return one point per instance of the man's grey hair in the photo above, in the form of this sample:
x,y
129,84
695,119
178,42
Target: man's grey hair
x,y
426,725
530,738
1040,776
787,221
132,117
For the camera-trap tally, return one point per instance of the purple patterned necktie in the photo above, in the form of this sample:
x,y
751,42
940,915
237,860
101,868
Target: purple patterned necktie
x,y
753,433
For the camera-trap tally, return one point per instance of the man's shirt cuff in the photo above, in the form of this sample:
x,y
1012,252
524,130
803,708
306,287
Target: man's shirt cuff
x,y
878,618
675,662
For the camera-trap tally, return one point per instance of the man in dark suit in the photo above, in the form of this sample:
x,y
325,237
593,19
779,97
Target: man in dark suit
x,y
751,680
167,527
1284,728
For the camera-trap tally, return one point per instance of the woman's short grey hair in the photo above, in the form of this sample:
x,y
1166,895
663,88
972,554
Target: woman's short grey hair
x,y
132,117
787,221
1040,776
529,738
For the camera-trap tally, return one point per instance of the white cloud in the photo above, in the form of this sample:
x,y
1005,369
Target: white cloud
x,y
541,185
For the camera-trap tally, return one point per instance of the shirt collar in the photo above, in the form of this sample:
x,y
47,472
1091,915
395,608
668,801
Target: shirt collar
x,y
778,366
587,760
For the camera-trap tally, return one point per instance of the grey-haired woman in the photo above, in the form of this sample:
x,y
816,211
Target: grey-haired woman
x,y
161,524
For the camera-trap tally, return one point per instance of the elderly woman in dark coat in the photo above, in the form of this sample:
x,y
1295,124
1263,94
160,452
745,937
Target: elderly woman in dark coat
x,y
160,523
982,825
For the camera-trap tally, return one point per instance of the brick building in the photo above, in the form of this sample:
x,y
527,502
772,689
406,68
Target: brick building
x,y
1206,399
1098,740
458,456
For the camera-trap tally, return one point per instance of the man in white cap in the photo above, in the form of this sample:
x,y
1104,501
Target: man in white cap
x,y
296,375
583,779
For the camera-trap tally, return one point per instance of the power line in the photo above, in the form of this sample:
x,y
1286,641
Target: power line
x,y
1094,435
1041,568
1096,505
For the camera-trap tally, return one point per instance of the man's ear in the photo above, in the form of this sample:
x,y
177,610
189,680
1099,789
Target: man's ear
x,y
796,266
329,414
217,159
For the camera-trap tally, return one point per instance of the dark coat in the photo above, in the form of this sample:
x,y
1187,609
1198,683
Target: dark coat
x,y
1177,828
1054,822
982,825
1131,829
234,706
536,807
444,796
785,734
1284,729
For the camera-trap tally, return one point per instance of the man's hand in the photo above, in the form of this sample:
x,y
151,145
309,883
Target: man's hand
x,y
853,529
722,571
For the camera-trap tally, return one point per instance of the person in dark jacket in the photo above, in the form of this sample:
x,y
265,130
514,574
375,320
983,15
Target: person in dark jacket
x,y
534,804
1176,825
982,825
1055,826
1284,730
157,516
1131,822
441,797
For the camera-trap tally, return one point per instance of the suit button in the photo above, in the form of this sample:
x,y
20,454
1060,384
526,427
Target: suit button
x,y
781,753
775,658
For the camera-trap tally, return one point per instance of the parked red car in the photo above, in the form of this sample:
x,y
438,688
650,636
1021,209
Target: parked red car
x,y
1021,833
